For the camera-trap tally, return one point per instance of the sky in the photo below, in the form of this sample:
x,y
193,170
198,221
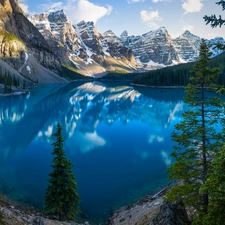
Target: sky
x,y
137,16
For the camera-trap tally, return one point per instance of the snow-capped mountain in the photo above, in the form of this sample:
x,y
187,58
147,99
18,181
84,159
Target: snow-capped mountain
x,y
95,53
152,48
187,46
90,51
157,48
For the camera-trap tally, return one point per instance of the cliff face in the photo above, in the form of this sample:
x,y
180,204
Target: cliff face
x,y
52,40
82,44
154,47
19,38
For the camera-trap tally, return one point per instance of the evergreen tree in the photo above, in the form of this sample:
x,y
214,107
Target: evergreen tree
x,y
61,198
215,186
213,20
196,135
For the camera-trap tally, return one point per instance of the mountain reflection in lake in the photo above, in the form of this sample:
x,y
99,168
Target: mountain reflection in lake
x,y
117,136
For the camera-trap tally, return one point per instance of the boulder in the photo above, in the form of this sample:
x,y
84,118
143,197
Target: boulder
x,y
171,214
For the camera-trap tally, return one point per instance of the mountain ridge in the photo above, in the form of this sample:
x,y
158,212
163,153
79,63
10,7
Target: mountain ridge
x,y
37,48
152,50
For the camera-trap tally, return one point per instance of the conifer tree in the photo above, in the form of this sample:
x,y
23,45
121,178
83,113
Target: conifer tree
x,y
61,198
213,20
196,135
215,186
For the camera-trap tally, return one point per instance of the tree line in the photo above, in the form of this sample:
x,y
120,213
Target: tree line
x,y
177,75
8,81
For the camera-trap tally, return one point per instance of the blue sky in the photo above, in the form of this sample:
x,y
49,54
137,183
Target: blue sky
x,y
137,16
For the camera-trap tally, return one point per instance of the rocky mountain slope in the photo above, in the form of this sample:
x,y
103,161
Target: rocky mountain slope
x,y
35,49
24,51
152,48
90,51
93,52
158,49
187,46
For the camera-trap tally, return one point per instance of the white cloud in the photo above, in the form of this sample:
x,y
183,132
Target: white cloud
x,y
135,1
191,6
166,158
153,138
78,10
155,1
23,5
150,18
187,27
90,141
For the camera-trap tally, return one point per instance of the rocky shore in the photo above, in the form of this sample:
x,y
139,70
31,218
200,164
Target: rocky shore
x,y
149,210
18,216
140,213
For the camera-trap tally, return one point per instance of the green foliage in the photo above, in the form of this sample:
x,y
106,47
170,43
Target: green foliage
x,y
61,198
169,76
2,219
196,135
177,75
119,75
213,20
215,186
10,37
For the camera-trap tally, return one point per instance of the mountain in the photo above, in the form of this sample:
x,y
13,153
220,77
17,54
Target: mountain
x,y
187,46
24,52
82,44
46,47
153,49
156,49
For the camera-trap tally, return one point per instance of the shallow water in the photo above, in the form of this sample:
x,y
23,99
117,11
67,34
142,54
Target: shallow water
x,y
117,136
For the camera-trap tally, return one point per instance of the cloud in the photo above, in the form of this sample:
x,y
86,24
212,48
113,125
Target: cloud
x,y
135,1
187,27
78,10
155,1
23,5
166,158
150,18
191,6
153,138
90,141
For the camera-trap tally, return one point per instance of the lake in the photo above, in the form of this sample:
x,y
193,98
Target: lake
x,y
116,135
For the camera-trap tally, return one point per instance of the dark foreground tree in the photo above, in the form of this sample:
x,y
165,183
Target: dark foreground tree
x,y
215,186
61,198
196,135
216,21
213,20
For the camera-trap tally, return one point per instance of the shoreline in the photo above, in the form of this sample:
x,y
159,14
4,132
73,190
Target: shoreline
x,y
14,93
138,213
166,87
141,212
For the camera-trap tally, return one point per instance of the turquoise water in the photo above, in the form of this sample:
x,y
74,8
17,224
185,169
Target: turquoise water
x,y
117,136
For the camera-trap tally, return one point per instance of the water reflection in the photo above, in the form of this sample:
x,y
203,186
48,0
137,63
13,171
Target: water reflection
x,y
118,137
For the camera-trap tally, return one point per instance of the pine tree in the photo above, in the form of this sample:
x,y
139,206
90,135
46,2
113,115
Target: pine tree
x,y
196,135
213,20
215,186
61,198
